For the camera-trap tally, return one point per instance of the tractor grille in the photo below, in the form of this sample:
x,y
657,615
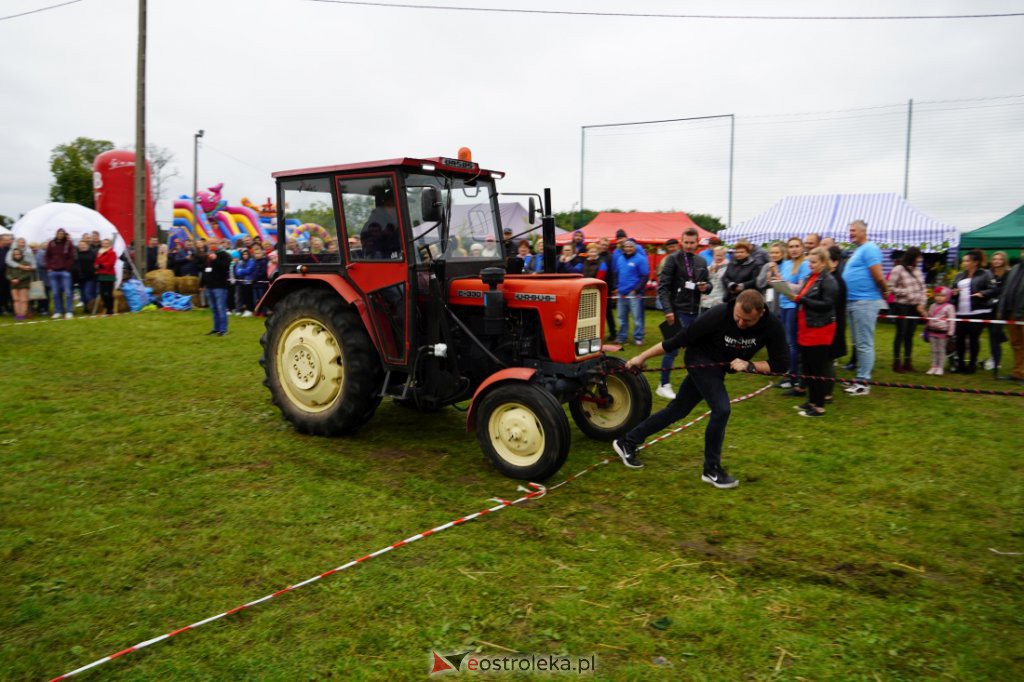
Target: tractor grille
x,y
588,321
590,299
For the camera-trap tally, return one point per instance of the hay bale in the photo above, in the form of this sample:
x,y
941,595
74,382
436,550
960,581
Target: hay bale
x,y
160,281
120,305
186,285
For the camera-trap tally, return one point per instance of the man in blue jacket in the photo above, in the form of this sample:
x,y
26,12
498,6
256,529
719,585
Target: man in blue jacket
x,y
632,270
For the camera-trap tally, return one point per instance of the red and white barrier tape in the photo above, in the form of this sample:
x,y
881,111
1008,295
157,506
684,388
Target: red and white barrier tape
x,y
25,323
539,491
958,319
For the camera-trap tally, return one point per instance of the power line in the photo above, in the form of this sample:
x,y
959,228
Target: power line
x,y
207,145
36,11
645,15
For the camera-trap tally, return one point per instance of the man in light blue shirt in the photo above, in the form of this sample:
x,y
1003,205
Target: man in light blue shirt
x,y
631,271
866,289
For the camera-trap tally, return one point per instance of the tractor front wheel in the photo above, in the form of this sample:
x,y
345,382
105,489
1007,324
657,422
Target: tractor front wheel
x,y
319,364
612,406
523,430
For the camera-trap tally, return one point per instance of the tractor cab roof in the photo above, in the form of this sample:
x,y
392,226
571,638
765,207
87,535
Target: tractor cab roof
x,y
446,164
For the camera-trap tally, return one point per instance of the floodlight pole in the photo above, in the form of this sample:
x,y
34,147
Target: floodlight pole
x,y
195,179
906,158
139,231
732,147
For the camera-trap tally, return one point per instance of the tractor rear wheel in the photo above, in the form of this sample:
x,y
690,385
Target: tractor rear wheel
x,y
523,430
319,364
612,406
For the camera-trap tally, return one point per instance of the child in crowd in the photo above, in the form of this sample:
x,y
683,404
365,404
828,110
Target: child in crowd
x,y
940,327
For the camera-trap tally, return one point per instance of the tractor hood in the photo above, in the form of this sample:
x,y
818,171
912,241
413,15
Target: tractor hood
x,y
570,308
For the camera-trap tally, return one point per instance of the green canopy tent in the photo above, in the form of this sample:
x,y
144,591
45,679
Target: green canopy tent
x,y
1005,234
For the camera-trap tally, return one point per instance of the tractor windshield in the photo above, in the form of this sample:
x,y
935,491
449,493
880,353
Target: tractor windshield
x,y
473,229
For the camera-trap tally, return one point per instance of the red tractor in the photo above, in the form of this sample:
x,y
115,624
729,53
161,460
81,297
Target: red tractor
x,y
415,304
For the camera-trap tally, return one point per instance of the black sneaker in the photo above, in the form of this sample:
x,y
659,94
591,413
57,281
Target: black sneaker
x,y
805,406
718,477
211,332
811,412
627,453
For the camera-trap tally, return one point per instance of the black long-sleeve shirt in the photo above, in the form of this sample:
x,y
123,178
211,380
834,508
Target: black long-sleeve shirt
x,y
714,337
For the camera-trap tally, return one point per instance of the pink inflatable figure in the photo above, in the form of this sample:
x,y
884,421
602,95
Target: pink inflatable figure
x,y
210,200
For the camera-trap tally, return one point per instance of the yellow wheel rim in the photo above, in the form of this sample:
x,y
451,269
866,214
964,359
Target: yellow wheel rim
x,y
310,366
516,434
616,412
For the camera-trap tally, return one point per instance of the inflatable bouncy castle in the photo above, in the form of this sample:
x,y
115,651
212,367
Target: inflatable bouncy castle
x,y
215,219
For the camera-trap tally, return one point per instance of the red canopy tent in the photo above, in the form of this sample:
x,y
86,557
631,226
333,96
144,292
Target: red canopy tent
x,y
644,228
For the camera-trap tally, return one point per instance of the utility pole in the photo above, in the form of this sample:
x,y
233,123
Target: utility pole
x,y
141,181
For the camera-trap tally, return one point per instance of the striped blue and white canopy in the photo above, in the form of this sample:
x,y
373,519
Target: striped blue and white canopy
x,y
893,223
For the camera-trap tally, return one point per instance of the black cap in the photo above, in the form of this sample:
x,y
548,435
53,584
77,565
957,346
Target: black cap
x,y
620,234
669,242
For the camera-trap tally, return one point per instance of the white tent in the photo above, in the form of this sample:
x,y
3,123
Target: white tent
x,y
4,230
40,225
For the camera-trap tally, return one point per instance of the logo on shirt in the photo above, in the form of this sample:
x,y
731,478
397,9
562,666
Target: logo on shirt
x,y
739,344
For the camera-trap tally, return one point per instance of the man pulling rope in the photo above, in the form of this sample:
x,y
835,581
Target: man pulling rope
x,y
727,333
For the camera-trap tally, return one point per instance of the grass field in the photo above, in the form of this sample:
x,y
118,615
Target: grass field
x,y
148,483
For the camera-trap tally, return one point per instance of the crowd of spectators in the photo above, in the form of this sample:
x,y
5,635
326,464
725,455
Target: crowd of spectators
x,y
252,262
44,277
824,295
823,289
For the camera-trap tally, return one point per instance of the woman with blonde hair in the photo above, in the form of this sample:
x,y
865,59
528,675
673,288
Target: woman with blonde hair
x,y
19,275
816,327
716,272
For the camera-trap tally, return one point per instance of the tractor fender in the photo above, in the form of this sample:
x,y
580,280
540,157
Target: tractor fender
x,y
500,377
287,283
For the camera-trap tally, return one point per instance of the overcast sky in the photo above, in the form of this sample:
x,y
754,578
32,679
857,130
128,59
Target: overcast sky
x,y
280,84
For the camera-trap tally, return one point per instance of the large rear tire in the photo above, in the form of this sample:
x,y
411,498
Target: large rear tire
x,y
523,430
627,402
320,364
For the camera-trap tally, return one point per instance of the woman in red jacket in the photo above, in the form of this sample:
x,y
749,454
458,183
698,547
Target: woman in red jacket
x,y
106,259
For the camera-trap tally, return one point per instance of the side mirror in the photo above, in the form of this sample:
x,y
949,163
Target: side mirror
x,y
430,205
532,218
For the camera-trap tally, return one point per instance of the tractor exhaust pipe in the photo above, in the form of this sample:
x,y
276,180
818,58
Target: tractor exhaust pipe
x,y
547,231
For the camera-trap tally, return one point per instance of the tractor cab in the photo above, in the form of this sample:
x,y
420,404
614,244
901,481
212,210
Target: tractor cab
x,y
392,284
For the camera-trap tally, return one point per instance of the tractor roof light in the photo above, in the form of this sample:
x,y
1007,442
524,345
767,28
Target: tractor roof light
x,y
465,154
429,167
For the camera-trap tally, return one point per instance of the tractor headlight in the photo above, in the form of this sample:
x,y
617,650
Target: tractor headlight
x,y
595,345
582,347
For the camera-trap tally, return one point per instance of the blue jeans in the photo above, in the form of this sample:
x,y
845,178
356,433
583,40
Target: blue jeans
x,y
668,359
631,305
788,317
219,307
88,289
60,284
700,384
863,316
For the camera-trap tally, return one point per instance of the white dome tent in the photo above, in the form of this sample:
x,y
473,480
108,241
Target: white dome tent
x,y
40,225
